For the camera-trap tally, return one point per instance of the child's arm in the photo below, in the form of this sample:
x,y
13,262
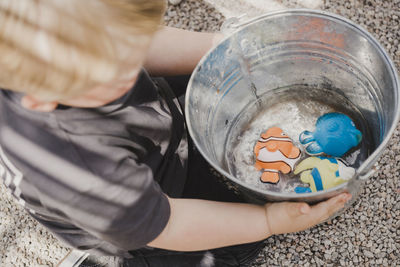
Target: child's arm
x,y
200,224
176,52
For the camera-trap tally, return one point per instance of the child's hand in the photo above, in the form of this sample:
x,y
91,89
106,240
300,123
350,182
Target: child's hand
x,y
287,217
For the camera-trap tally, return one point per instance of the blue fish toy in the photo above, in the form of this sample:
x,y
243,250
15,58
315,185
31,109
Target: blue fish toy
x,y
334,135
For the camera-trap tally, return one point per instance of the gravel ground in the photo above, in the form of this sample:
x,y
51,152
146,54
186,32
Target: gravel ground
x,y
367,234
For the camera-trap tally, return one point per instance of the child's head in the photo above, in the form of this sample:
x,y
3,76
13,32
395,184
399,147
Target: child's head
x,y
56,50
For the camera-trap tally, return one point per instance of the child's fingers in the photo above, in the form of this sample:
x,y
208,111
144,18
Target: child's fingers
x,y
287,217
322,211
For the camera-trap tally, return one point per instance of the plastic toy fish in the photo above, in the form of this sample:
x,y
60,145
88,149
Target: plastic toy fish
x,y
275,153
334,135
322,173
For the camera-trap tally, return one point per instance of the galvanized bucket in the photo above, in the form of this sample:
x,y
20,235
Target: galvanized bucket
x,y
289,48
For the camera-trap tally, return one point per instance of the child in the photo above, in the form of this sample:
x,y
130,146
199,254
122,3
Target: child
x,y
96,149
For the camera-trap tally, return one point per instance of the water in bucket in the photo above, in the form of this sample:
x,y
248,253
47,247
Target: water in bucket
x,y
293,109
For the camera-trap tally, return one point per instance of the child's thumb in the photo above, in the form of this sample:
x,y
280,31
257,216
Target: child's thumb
x,y
298,209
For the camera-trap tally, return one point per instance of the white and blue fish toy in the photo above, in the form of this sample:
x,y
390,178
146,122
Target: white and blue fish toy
x,y
322,173
334,135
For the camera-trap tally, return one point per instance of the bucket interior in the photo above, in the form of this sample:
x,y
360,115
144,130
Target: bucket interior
x,y
286,70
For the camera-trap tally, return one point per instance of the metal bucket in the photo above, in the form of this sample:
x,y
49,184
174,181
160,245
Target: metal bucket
x,y
278,52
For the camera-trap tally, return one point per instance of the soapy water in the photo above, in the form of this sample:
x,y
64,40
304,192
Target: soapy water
x,y
294,110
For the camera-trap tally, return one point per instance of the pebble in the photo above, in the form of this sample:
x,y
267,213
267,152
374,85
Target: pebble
x,y
368,254
174,2
361,237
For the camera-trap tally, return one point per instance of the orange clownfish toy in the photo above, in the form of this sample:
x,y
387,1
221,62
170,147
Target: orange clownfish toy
x,y
275,152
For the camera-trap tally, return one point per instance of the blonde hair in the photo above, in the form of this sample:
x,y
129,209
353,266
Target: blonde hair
x,y
57,48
